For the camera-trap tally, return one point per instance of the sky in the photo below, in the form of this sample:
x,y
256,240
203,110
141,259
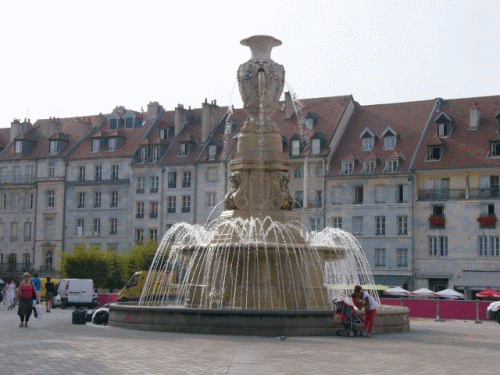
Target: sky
x,y
68,58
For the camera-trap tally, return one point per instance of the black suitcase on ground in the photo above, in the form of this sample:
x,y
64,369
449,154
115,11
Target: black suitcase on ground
x,y
79,316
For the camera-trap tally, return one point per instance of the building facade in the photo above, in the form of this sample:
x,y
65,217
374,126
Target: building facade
x,y
417,183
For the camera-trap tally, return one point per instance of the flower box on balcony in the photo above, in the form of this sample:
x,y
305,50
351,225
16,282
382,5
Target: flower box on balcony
x,y
436,221
487,221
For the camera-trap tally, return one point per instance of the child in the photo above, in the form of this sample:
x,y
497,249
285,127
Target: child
x,y
366,301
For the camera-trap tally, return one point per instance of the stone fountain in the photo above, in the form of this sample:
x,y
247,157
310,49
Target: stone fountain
x,y
254,270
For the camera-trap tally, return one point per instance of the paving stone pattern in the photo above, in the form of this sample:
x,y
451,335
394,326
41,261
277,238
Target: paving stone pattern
x,y
52,346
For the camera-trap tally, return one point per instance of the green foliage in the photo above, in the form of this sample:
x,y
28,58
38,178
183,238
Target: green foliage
x,y
108,269
115,274
139,259
85,263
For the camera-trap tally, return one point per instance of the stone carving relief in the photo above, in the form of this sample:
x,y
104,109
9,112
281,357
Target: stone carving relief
x,y
237,198
280,195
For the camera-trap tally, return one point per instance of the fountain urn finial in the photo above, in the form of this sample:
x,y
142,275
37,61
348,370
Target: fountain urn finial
x,y
261,82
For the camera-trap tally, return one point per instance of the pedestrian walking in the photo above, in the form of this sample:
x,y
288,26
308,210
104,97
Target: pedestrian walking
x,y
26,294
10,293
367,302
50,291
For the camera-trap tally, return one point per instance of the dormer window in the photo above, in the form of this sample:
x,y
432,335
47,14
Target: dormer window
x,y
367,139
53,147
309,123
295,147
96,144
156,151
112,144
113,123
435,153
389,139
369,167
143,154
212,152
444,125
129,122
347,167
18,147
367,144
444,130
316,146
391,166
185,148
495,149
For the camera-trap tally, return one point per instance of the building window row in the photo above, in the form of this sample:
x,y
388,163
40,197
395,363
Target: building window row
x,y
96,227
401,257
80,199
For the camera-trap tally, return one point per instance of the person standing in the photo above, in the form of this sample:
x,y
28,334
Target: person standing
x,y
26,293
10,293
49,294
370,306
38,285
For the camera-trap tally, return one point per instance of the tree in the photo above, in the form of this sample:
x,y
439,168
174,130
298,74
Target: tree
x,y
85,263
139,259
115,274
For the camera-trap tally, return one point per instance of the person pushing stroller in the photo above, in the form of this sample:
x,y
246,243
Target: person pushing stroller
x,y
362,299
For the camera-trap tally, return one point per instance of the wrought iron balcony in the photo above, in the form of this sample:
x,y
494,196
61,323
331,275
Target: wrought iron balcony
x,y
458,194
15,267
17,179
441,194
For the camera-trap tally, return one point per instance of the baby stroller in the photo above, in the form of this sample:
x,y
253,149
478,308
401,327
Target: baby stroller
x,y
352,322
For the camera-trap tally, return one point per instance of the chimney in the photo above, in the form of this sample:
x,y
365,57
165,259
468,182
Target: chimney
x,y
51,127
154,109
289,108
17,128
180,118
209,117
474,116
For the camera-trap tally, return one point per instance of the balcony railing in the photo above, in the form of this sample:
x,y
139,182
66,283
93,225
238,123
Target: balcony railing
x,y
457,194
441,194
15,267
17,179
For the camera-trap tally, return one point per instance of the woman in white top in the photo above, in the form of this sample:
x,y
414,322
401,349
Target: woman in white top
x,y
10,293
370,305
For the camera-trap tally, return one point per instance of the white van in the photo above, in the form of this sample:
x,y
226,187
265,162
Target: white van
x,y
76,292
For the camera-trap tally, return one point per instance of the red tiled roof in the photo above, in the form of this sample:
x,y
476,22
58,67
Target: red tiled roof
x,y
4,137
464,148
406,119
69,126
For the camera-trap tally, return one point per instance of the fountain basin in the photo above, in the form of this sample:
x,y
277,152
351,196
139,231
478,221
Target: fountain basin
x,y
388,319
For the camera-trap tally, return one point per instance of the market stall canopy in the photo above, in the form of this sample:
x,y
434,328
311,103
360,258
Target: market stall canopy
x,y
488,293
397,291
423,292
450,293
351,287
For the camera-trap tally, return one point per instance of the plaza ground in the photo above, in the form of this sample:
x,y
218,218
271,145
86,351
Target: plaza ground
x,y
52,346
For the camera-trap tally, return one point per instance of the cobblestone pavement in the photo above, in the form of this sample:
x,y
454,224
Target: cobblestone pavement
x,y
52,345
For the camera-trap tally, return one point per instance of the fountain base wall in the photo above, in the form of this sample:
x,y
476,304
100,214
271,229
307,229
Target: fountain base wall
x,y
388,319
